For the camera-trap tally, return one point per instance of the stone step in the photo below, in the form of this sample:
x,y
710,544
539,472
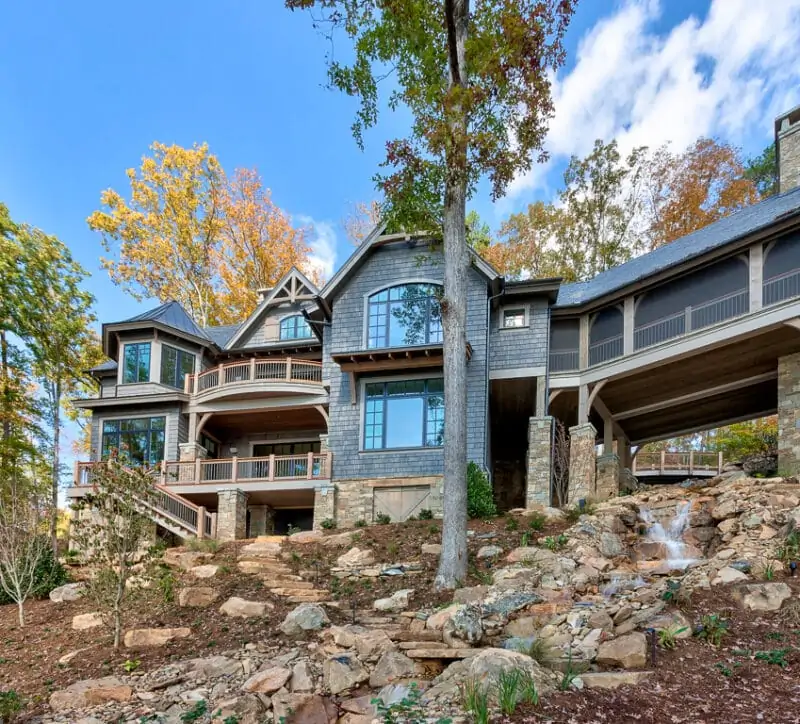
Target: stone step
x,y
418,645
434,653
292,591
320,597
613,679
263,567
406,635
295,583
271,539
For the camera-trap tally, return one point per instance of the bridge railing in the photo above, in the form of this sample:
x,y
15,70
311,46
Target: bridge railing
x,y
689,462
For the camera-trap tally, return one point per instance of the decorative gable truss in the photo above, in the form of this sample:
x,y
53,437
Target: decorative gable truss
x,y
293,293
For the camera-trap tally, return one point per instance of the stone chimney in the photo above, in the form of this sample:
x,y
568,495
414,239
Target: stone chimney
x,y
787,149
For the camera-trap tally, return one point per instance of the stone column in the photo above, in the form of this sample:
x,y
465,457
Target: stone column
x,y
608,473
262,520
191,451
540,462
581,462
789,414
231,514
324,504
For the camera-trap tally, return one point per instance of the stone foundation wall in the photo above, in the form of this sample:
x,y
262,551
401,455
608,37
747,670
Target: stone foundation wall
x,y
608,475
231,514
582,464
262,520
540,462
355,498
324,504
789,415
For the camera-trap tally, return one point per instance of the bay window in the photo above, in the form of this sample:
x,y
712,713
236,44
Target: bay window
x,y
175,365
404,414
136,363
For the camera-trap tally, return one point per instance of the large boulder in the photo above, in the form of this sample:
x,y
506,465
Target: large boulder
x,y
302,677
245,709
84,621
197,596
355,557
765,596
315,710
342,672
66,593
391,667
464,627
261,549
303,619
436,621
487,665
267,681
181,558
306,536
216,666
139,638
241,608
90,692
628,651
207,571
398,601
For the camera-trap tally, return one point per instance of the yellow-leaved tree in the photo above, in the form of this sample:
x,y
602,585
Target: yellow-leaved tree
x,y
189,233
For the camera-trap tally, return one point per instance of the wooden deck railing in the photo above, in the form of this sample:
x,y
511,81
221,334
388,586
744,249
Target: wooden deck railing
x,y
255,370
272,468
691,462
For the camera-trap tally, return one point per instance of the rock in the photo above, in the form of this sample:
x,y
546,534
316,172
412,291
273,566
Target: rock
x,y
398,601
523,627
372,643
307,536
463,627
337,539
614,679
245,709
267,681
241,608
284,705
765,596
342,672
728,575
431,549
197,596
261,549
216,666
355,558
628,651
206,571
673,620
611,545
302,677
315,710
66,658
84,621
487,665
436,621
471,594
66,593
182,558
523,554
727,509
600,619
139,638
306,617
489,552
90,692
391,667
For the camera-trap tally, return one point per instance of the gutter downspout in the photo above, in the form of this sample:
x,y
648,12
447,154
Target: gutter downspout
x,y
486,437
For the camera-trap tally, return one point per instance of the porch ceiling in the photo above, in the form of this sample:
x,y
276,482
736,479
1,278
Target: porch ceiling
x,y
228,425
299,498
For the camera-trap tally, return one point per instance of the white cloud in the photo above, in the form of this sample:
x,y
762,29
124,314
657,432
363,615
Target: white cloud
x,y
727,76
322,240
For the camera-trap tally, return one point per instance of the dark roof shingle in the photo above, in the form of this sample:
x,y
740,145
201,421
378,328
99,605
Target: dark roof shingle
x,y
171,314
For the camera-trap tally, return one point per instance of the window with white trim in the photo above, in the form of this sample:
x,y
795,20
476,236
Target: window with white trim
x,y
404,414
136,362
404,316
295,327
514,318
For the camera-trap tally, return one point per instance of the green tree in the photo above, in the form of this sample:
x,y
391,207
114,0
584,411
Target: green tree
x,y
477,84
762,170
479,235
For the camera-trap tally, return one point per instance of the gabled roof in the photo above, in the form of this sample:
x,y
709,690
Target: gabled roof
x,y
170,314
732,228
378,238
293,287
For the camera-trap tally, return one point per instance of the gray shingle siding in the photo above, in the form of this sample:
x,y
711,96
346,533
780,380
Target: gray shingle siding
x,y
388,266
266,329
518,348
176,423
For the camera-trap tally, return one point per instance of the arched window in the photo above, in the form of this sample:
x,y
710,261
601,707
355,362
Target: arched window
x,y
405,315
295,327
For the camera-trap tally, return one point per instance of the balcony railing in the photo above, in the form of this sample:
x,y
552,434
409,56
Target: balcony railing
x,y
272,468
605,350
780,287
563,360
255,370
691,462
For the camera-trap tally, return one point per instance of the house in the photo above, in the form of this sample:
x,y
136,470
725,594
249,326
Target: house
x,y
328,403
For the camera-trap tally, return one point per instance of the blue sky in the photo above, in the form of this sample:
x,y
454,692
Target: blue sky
x,y
86,87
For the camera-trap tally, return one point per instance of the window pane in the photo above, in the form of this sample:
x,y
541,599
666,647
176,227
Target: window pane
x,y
436,385
374,389
110,445
156,447
434,436
169,365
404,422
111,426
412,312
514,318
131,363
405,387
158,423
186,362
144,362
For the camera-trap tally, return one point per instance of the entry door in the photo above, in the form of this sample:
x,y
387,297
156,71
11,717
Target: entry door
x,y
401,502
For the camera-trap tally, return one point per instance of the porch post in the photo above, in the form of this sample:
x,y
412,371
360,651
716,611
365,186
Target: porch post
x,y
628,325
539,473
231,514
201,522
582,466
755,263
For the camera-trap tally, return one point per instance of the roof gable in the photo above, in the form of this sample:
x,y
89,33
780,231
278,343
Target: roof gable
x,y
170,314
293,287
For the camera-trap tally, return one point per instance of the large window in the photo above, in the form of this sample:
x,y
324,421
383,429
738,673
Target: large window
x,y
404,316
175,365
295,328
138,441
408,413
137,363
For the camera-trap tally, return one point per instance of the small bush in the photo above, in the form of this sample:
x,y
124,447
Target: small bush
x,y
511,524
775,656
790,549
328,524
360,523
10,705
480,499
48,574
205,545
555,543
668,637
537,521
165,579
426,514
383,518
713,629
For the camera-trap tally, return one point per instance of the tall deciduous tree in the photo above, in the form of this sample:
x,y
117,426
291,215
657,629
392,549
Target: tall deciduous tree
x,y
477,86
361,220
762,170
168,231
258,245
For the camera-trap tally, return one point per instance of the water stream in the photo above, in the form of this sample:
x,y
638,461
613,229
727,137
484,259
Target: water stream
x,y
671,537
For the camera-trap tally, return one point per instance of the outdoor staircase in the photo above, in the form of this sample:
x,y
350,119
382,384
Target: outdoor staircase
x,y
178,515
263,559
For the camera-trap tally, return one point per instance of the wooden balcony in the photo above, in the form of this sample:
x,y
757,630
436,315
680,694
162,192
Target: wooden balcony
x,y
247,374
690,463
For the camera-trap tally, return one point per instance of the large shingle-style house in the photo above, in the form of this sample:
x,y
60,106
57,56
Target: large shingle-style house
x,y
328,403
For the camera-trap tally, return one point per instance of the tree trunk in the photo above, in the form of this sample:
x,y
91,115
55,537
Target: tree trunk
x,y
6,386
56,466
453,562
21,613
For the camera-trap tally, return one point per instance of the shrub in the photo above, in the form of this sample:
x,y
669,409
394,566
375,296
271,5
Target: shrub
x,y
328,524
383,518
10,705
426,514
205,545
47,574
668,637
480,500
713,628
537,521
360,523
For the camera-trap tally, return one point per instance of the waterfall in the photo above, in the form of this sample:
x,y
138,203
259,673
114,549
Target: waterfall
x,y
671,537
